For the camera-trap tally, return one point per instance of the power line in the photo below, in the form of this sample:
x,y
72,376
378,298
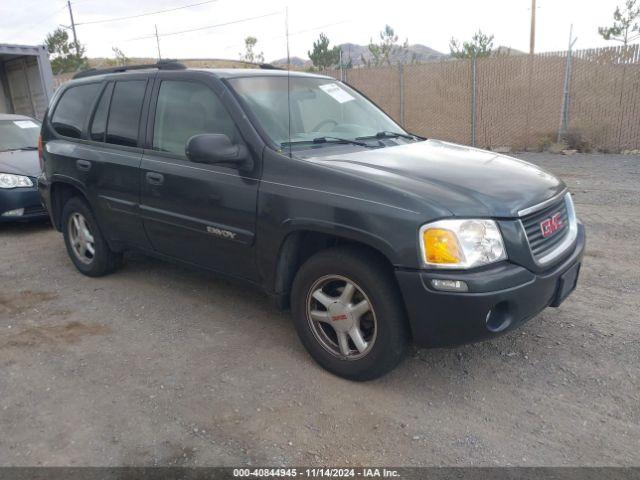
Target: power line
x,y
117,19
298,32
206,27
37,23
321,27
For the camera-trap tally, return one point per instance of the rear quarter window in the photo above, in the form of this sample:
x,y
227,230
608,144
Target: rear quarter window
x,y
73,109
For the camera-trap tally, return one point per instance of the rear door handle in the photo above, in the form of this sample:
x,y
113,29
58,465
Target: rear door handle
x,y
83,165
154,178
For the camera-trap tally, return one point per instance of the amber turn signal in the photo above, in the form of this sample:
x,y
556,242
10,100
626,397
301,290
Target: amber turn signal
x,y
441,246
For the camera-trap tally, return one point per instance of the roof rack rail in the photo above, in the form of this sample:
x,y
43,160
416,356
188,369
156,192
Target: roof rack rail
x,y
160,65
268,66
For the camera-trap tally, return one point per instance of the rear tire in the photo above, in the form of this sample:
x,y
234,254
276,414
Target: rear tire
x,y
85,243
349,313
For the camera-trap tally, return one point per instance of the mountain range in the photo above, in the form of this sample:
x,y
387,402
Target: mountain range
x,y
355,53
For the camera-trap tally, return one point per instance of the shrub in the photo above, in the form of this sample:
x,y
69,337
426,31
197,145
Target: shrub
x,y
575,140
544,142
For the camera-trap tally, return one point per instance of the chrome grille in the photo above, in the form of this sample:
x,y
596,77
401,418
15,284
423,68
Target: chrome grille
x,y
541,245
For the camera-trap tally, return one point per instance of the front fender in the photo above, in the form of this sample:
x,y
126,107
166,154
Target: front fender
x,y
341,230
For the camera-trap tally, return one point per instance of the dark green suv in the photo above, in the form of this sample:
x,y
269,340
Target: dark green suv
x,y
300,185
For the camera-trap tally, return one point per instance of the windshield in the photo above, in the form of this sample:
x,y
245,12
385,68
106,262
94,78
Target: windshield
x,y
19,134
322,110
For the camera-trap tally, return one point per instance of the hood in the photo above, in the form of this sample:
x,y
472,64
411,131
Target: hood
x,y
20,162
464,180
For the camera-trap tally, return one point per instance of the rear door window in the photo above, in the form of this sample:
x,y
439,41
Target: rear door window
x,y
73,109
124,113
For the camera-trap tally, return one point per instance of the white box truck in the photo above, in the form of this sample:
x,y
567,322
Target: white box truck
x,y
26,79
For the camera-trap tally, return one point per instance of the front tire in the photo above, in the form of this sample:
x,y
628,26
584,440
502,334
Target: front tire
x,y
85,243
349,314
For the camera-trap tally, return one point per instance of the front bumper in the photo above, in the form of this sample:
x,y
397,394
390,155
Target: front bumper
x,y
510,292
26,198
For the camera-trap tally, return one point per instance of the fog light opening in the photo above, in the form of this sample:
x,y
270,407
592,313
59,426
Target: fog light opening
x,y
18,212
499,318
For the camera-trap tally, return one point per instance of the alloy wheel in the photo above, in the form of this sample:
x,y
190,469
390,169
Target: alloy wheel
x,y
341,317
81,238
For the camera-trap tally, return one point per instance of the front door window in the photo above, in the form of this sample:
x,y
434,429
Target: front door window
x,y
185,109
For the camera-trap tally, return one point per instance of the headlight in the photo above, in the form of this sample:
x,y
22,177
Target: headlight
x,y
9,180
461,243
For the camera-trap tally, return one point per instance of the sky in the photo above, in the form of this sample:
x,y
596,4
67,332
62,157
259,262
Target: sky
x,y
428,22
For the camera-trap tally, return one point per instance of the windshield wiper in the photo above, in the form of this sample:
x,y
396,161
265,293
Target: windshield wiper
x,y
329,140
389,134
340,140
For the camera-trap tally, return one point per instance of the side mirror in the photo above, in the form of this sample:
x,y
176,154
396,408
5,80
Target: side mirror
x,y
215,148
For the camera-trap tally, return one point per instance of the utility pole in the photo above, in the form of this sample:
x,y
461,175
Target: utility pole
x,y
532,40
158,43
73,29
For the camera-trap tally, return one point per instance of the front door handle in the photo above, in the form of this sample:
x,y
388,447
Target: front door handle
x,y
83,165
154,178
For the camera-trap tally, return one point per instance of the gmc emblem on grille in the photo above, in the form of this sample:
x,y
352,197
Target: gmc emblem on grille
x,y
551,225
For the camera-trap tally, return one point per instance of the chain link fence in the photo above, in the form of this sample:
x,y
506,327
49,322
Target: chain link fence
x,y
515,101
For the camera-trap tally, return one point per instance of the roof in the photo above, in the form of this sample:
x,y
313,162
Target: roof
x,y
11,116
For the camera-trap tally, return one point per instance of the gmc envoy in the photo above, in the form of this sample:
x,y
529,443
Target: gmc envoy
x,y
298,184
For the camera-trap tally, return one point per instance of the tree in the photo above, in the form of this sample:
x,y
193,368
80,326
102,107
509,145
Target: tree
x,y
62,53
121,58
383,53
480,45
322,56
626,24
249,54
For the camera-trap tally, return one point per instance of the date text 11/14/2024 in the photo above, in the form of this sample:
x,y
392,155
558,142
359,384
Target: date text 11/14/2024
x,y
316,472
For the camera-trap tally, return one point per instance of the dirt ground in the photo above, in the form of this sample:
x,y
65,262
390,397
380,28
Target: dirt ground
x,y
161,365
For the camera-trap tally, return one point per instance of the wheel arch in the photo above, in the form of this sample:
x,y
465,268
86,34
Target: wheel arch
x,y
300,243
61,191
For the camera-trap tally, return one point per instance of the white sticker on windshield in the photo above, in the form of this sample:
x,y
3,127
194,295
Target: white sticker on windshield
x,y
336,92
26,124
